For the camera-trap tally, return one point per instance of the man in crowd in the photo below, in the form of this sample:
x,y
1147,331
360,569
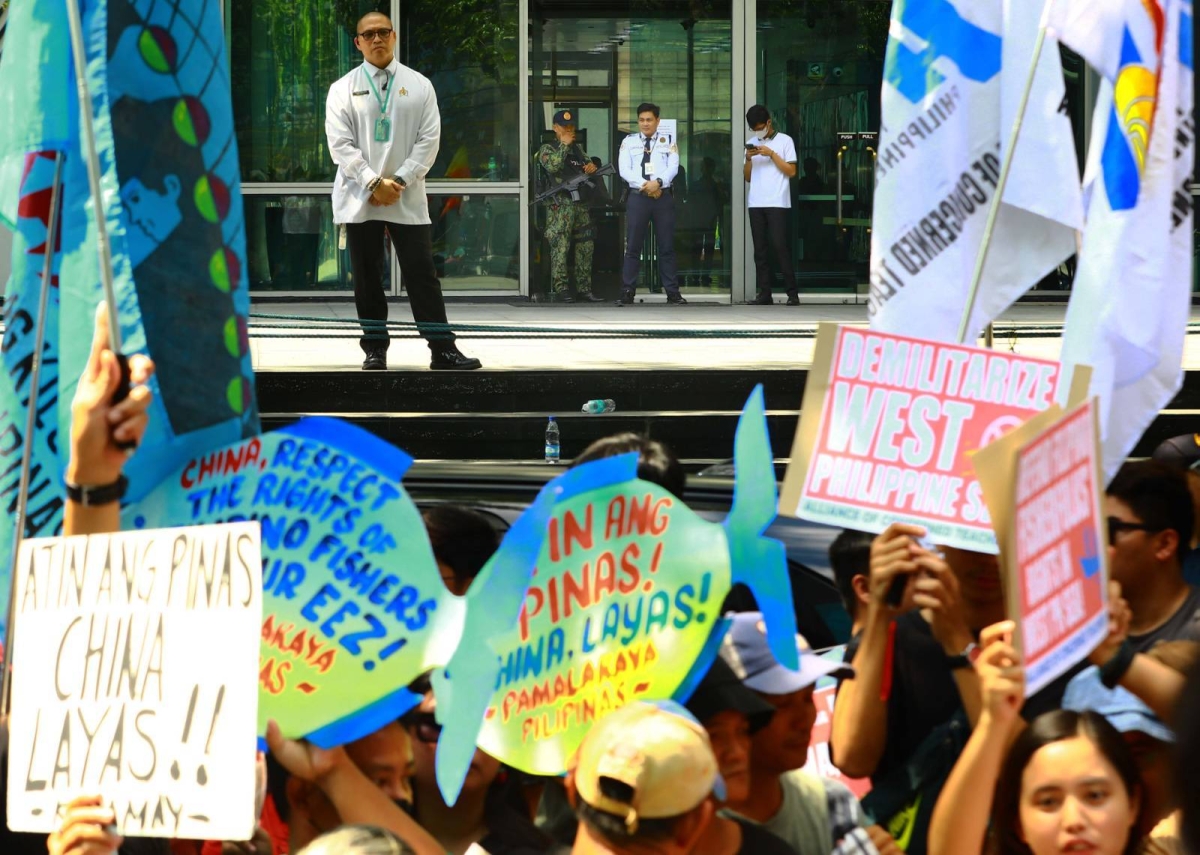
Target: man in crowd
x,y
850,561
385,757
641,781
649,163
811,814
904,717
769,168
568,221
383,129
732,714
1150,520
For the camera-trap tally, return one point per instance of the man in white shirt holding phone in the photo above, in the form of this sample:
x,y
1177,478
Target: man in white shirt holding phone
x,y
769,169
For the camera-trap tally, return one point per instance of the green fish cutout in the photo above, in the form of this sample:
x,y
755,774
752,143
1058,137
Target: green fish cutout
x,y
622,606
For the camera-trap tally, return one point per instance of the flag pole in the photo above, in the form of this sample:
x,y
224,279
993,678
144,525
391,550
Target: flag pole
x,y
1002,181
92,159
35,385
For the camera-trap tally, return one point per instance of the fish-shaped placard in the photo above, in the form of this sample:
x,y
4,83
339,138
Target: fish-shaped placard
x,y
354,608
621,607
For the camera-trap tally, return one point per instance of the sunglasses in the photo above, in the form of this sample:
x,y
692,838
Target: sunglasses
x,y
1116,526
371,35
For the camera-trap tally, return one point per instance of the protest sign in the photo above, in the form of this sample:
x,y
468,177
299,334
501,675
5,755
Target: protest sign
x,y
1055,560
354,608
887,423
135,678
625,595
819,762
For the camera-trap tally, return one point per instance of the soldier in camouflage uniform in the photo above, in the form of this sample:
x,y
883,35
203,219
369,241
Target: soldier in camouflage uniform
x,y
568,220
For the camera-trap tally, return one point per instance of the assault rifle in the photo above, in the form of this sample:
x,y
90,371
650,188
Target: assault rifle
x,y
575,184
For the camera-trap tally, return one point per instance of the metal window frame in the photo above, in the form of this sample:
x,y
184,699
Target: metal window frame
x,y
745,58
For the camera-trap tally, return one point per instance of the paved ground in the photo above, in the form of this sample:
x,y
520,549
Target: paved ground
x,y
1028,329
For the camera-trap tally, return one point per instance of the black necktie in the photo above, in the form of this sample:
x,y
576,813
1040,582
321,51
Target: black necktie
x,y
646,156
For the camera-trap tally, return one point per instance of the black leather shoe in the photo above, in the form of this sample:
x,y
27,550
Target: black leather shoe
x,y
676,300
564,297
376,361
626,298
793,300
449,358
589,297
764,300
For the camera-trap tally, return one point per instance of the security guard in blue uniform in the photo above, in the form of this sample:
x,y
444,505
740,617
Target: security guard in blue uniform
x,y
649,163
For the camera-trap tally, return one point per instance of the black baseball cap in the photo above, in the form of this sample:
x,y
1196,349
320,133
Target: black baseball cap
x,y
721,690
564,117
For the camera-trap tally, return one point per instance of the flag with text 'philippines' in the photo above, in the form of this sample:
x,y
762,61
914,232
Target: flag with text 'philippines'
x,y
1129,306
954,72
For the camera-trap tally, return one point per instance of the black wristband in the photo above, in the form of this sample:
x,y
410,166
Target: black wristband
x,y
1114,669
91,497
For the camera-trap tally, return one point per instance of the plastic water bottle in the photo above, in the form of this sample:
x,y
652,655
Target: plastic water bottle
x,y
553,449
597,406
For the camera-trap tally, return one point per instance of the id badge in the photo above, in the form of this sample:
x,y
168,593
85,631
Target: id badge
x,y
383,129
649,169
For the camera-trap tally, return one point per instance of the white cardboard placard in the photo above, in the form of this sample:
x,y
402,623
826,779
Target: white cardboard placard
x,y
135,678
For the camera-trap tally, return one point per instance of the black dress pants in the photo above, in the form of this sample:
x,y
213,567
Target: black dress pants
x,y
640,210
769,229
414,249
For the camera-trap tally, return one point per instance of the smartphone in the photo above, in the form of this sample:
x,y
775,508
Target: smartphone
x,y
750,146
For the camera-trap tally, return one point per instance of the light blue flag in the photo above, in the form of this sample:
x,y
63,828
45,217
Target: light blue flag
x,y
37,122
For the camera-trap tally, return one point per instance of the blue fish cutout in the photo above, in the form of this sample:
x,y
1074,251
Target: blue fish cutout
x,y
623,605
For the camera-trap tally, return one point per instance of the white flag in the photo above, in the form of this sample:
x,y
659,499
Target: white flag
x,y
1132,294
953,77
1094,29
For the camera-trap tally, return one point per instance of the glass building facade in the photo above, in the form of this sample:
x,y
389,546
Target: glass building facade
x,y
501,69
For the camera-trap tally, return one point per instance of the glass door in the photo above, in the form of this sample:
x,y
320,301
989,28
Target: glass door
x,y
818,70
676,54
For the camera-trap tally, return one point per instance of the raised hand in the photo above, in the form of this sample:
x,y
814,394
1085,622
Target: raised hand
x,y
894,553
97,424
935,592
303,759
1001,674
85,829
1119,616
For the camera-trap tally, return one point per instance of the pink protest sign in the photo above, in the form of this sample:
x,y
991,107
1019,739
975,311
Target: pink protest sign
x,y
887,424
820,762
1055,556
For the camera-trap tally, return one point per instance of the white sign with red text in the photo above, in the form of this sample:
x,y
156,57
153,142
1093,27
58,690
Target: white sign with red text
x,y
1056,557
887,425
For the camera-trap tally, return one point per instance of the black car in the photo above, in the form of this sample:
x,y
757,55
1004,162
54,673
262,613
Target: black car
x,y
502,491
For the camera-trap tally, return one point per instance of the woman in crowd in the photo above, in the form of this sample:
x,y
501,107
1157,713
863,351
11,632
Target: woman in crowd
x,y
1068,783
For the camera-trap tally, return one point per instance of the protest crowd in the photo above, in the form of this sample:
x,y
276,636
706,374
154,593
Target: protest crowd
x,y
931,708
232,642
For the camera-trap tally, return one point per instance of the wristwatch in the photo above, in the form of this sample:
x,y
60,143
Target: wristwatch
x,y
965,659
91,497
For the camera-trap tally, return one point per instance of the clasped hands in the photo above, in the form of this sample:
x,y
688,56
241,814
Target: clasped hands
x,y
387,193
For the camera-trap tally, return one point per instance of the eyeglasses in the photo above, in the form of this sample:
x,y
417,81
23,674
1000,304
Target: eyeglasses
x,y
1116,526
371,35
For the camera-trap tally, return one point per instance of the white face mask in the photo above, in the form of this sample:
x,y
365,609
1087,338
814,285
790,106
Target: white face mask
x,y
762,134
